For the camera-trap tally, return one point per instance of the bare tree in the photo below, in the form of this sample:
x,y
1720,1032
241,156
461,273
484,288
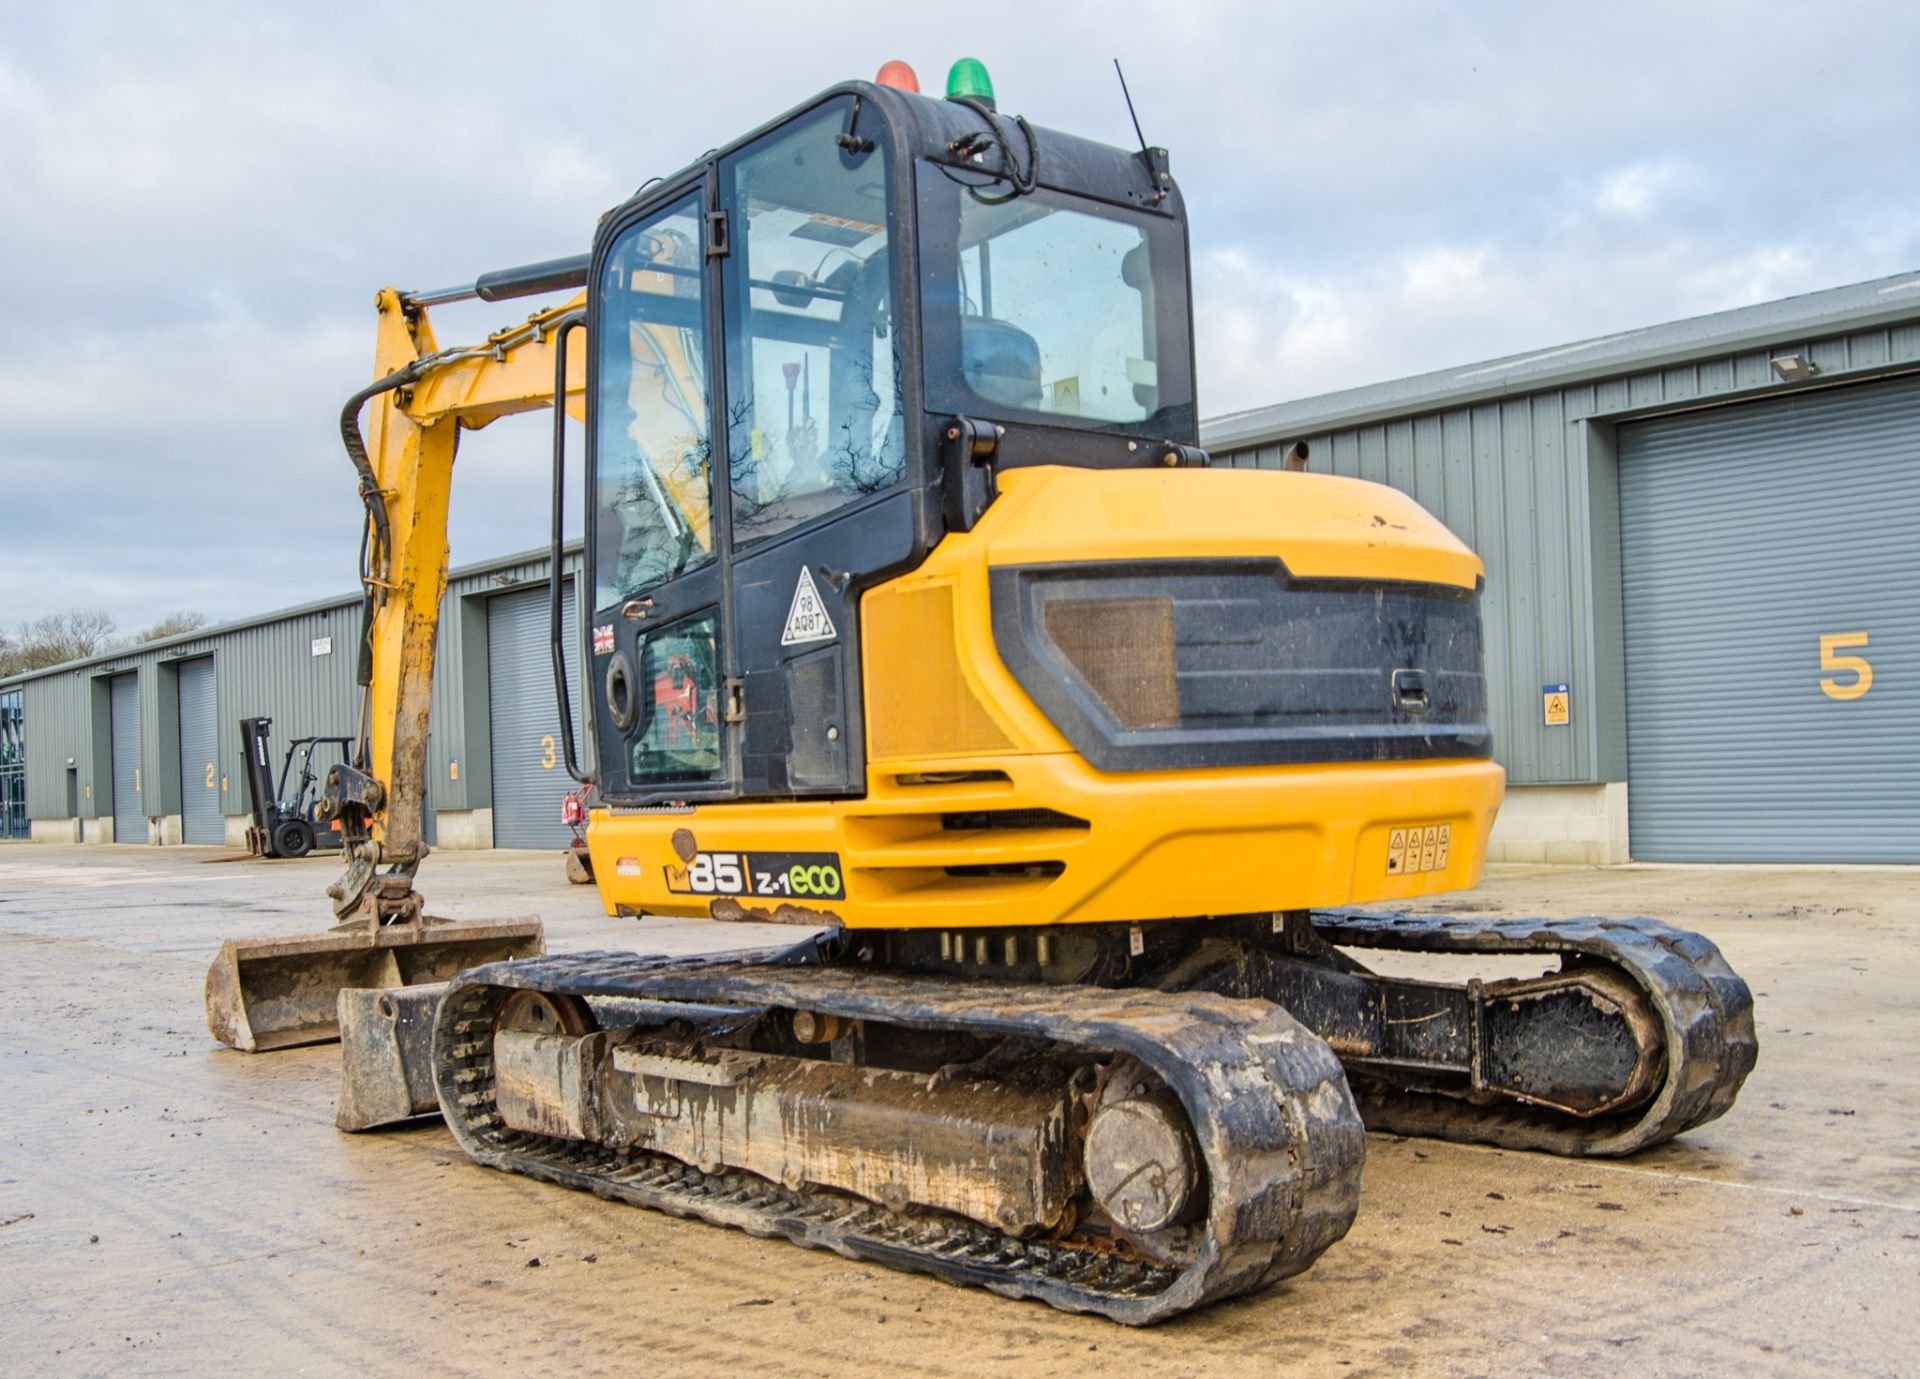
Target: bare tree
x,y
57,637
184,620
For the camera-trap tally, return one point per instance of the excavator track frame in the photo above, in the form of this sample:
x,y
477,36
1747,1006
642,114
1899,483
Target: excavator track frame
x,y
1705,1011
1268,1103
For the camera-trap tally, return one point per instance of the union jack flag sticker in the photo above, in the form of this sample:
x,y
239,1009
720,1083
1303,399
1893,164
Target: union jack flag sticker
x,y
603,640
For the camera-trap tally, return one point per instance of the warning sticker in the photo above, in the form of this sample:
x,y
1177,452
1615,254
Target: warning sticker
x,y
807,619
1418,848
1553,703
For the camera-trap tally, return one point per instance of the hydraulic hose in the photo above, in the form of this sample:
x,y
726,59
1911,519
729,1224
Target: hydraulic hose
x,y
372,556
375,538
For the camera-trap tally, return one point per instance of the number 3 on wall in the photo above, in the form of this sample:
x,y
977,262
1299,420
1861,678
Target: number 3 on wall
x,y
547,744
1831,659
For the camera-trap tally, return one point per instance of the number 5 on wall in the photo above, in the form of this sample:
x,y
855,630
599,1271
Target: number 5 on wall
x,y
1830,659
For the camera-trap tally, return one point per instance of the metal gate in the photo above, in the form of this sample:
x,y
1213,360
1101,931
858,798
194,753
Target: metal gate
x,y
129,814
1769,554
529,771
201,817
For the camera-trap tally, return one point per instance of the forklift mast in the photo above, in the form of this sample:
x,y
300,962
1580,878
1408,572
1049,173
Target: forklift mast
x,y
253,741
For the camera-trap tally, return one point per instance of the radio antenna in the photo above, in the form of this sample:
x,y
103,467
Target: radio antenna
x,y
1154,158
1128,95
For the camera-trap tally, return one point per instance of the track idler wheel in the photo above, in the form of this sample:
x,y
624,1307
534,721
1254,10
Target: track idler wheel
x,y
1143,1167
1585,1041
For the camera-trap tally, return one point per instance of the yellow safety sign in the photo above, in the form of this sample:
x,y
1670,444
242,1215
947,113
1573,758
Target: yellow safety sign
x,y
1554,702
1418,848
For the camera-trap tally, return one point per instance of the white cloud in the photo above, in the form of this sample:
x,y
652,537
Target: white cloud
x,y
1266,336
201,199
1635,191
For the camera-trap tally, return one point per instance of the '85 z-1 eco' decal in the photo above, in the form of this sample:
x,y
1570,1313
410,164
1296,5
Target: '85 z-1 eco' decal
x,y
788,875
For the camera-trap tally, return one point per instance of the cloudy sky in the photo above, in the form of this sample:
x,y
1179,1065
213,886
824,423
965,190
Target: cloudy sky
x,y
197,202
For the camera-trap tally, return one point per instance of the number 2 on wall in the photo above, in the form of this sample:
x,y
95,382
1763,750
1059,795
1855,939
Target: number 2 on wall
x,y
209,775
546,752
1831,659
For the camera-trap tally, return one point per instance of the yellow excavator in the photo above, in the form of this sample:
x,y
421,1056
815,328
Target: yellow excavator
x,y
920,621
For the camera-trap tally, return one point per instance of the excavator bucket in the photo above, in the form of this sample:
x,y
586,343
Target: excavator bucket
x,y
276,993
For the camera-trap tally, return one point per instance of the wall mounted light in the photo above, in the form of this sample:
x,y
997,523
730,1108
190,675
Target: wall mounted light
x,y
1794,368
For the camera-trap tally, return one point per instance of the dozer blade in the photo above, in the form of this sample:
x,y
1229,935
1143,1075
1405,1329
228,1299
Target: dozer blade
x,y
386,1055
276,993
386,1046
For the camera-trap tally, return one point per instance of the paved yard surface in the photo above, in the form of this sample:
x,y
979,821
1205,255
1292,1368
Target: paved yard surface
x,y
169,1207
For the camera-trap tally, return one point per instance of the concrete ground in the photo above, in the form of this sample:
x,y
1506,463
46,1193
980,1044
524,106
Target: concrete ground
x,y
169,1207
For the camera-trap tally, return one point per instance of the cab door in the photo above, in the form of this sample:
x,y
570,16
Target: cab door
x,y
657,537
821,382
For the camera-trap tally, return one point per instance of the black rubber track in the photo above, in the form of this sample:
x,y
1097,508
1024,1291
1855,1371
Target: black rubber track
x,y
1268,1101
1704,1007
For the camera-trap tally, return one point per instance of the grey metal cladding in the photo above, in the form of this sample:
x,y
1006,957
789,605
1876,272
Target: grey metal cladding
x,y
298,672
294,666
529,771
1748,534
1527,479
129,813
201,810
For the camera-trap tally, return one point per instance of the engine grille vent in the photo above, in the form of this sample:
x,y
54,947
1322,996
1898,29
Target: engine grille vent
x,y
975,820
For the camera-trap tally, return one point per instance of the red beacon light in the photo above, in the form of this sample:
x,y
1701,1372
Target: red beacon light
x,y
899,76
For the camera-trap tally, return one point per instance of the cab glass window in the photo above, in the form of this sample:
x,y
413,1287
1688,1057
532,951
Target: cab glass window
x,y
680,676
813,361
1052,306
653,515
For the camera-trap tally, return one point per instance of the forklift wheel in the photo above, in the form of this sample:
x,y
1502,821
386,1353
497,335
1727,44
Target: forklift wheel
x,y
293,838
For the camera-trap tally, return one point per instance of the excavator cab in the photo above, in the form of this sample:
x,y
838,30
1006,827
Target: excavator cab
x,y
907,576
810,356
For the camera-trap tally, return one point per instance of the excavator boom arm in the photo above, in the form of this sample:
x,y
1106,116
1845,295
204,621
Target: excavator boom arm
x,y
424,397
276,992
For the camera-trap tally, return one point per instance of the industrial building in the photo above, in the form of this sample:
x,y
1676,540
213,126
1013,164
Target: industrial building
x,y
1702,543
143,745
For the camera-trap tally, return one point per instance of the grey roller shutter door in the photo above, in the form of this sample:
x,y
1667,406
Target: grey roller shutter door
x,y
200,812
529,769
1748,535
129,814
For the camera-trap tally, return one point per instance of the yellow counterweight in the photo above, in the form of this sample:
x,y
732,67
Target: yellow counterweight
x,y
952,735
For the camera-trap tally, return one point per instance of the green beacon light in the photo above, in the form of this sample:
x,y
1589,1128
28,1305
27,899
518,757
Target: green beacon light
x,y
969,81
